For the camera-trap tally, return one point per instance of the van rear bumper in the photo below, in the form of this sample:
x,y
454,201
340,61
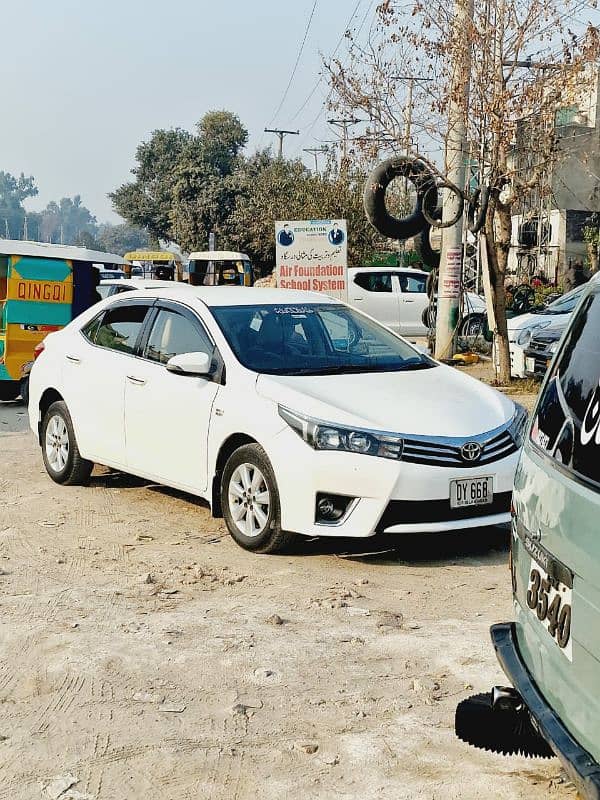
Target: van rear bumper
x,y
579,764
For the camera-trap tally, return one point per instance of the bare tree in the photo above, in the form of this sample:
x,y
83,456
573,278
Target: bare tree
x,y
530,59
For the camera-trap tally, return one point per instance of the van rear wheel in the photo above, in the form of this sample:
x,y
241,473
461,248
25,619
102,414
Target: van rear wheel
x,y
62,458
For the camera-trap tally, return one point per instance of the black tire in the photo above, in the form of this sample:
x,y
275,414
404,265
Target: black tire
x,y
477,209
25,391
429,315
76,470
423,248
472,325
430,209
9,390
374,196
272,539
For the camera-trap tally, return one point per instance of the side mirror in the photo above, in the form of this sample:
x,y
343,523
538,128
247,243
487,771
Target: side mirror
x,y
197,364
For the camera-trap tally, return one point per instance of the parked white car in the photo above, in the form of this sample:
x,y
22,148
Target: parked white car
x,y
290,412
522,328
397,297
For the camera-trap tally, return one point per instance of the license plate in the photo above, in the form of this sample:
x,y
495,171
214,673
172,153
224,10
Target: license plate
x,y
471,492
530,364
551,601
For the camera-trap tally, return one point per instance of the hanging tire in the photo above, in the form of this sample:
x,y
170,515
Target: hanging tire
x,y
60,452
429,209
374,196
250,501
429,315
477,209
430,257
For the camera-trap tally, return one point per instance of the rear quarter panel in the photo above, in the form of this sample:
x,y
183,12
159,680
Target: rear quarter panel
x,y
566,516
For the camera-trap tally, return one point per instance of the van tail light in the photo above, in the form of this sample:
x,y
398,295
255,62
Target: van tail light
x,y
38,349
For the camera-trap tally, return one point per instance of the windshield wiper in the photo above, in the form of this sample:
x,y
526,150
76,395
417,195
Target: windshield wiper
x,y
343,369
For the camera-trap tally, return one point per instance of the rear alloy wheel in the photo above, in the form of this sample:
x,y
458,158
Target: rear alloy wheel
x,y
250,501
62,459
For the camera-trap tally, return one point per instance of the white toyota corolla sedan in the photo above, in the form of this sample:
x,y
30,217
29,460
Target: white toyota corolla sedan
x,y
290,412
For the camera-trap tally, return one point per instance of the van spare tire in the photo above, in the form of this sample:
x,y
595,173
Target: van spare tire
x,y
419,174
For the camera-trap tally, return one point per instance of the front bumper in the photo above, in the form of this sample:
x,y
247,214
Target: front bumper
x,y
541,360
579,764
392,496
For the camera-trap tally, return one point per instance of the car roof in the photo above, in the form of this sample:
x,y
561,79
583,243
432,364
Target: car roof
x,y
232,295
218,255
141,283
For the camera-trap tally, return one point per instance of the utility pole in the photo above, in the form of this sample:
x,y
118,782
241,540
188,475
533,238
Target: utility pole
x,y
451,261
315,152
25,232
344,124
281,134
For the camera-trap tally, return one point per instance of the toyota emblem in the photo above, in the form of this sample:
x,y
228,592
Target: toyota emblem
x,y
471,451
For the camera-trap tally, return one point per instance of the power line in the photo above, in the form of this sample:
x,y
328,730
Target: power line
x,y
339,42
300,51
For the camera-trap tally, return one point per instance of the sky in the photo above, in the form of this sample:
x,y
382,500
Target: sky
x,y
84,81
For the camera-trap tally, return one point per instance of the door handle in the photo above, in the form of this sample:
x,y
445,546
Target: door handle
x,y
358,299
73,359
136,381
408,301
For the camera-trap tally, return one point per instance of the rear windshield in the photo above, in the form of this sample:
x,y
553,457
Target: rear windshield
x,y
567,422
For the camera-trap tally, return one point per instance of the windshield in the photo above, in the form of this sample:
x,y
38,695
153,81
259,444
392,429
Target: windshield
x,y
567,422
313,339
565,304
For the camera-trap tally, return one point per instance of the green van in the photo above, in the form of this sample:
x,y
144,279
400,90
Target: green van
x,y
551,653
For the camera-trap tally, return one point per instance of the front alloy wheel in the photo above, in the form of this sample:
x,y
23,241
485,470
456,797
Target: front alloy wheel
x,y
250,501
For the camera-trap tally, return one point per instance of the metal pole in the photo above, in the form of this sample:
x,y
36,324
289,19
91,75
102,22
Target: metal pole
x,y
451,262
280,135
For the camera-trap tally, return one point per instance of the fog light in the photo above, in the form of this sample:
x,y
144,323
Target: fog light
x,y
327,509
330,508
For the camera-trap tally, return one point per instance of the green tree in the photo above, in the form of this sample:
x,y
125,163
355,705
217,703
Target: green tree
x,y
66,221
146,202
13,191
181,191
270,189
122,238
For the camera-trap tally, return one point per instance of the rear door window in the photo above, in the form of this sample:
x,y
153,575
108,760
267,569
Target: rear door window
x,y
412,284
121,327
567,422
374,281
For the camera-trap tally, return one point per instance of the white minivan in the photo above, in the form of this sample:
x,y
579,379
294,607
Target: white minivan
x,y
397,297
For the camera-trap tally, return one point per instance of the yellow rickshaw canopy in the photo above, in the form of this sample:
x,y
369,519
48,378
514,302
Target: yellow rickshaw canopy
x,y
151,255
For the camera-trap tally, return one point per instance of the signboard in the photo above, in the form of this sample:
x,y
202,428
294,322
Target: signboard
x,y
449,286
312,256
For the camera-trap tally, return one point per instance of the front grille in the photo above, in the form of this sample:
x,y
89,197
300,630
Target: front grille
x,y
415,512
447,453
537,346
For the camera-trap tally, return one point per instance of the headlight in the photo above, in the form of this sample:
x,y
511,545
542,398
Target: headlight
x,y
524,337
518,424
327,436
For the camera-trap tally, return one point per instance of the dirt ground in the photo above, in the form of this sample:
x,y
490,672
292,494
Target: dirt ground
x,y
144,655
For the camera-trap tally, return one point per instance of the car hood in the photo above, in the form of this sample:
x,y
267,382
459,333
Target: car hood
x,y
431,402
